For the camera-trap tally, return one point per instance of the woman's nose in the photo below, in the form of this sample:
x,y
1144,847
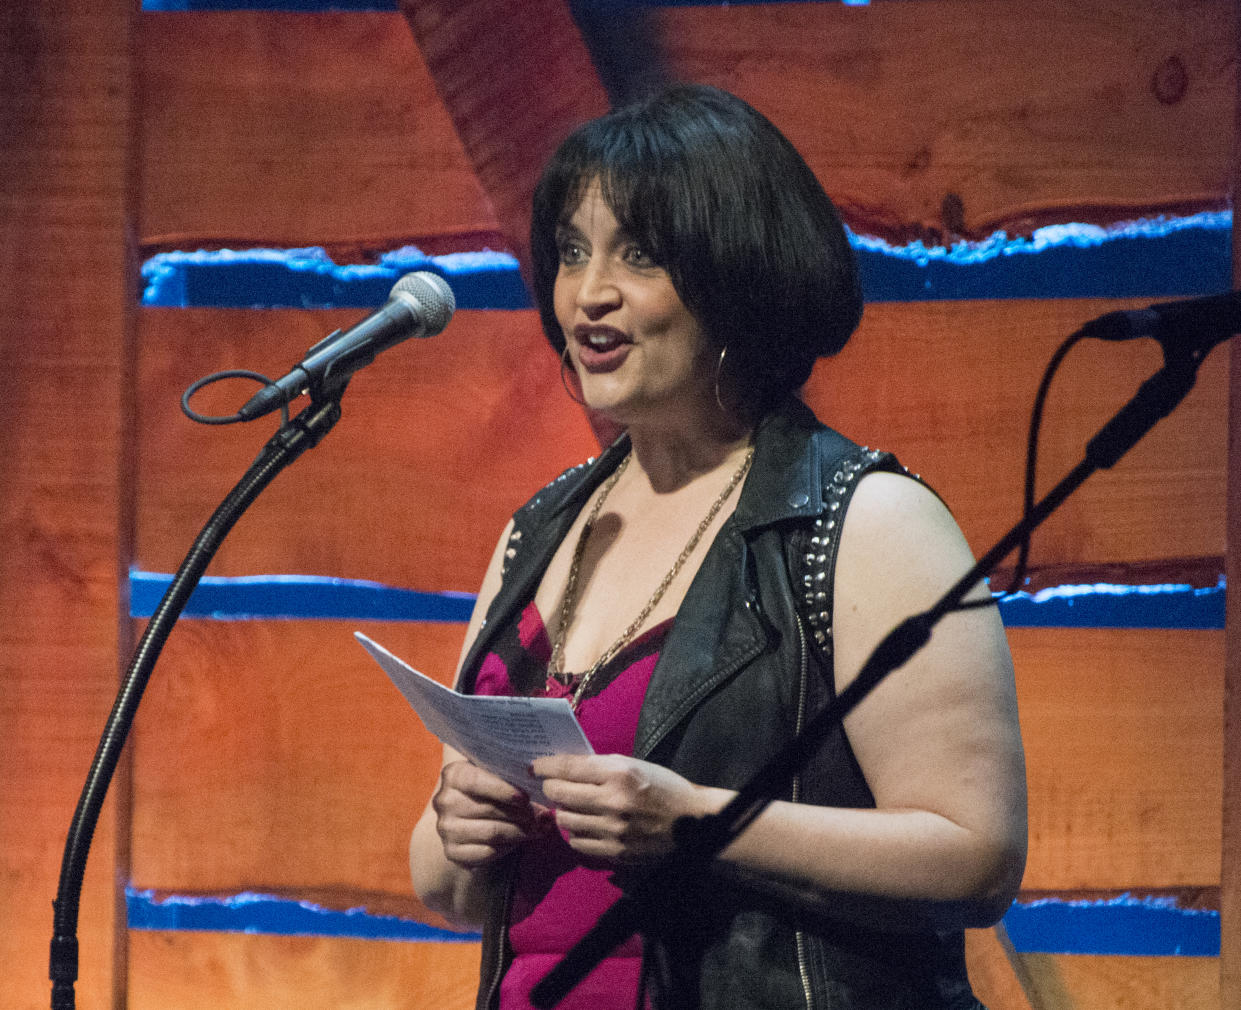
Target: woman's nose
x,y
598,291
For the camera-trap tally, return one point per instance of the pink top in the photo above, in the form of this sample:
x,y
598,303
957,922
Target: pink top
x,y
558,897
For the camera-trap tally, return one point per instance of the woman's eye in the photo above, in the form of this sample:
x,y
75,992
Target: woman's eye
x,y
639,257
571,252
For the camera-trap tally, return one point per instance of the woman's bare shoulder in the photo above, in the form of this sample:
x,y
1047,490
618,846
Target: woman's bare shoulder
x,y
892,514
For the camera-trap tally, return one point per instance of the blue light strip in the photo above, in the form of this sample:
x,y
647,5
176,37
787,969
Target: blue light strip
x,y
1121,926
1161,258
309,279
299,596
266,913
1104,605
264,597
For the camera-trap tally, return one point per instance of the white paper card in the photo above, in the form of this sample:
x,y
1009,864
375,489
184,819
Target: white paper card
x,y
502,735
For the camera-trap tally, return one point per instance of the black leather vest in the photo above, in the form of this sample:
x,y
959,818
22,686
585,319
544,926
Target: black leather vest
x,y
746,664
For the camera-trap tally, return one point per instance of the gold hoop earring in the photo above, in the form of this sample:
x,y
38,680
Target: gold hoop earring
x,y
564,361
719,371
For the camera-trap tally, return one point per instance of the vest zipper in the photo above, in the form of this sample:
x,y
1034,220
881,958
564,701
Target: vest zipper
x,y
509,884
803,691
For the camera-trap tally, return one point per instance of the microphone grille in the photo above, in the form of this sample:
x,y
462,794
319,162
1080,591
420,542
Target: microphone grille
x,y
432,294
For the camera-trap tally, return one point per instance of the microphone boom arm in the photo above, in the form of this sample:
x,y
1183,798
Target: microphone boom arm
x,y
700,840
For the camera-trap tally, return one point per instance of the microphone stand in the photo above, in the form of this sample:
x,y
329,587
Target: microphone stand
x,y
697,841
304,432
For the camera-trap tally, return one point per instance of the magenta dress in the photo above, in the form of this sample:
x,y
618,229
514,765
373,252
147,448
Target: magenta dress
x,y
558,897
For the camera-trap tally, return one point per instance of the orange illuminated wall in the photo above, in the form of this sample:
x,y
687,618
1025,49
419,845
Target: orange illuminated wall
x,y
150,155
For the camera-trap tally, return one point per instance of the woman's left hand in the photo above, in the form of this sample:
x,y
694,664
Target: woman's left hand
x,y
619,808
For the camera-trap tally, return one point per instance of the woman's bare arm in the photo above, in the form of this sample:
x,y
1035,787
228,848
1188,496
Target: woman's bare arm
x,y
474,817
938,743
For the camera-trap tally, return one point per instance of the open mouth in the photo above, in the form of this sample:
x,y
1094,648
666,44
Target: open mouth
x,y
601,348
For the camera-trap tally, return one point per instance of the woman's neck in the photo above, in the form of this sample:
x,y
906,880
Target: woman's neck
x,y
671,457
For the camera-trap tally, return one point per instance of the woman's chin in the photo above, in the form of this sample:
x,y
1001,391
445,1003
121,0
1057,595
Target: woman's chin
x,y
611,403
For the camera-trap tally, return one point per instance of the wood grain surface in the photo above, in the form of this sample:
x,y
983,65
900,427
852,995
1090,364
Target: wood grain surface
x,y
1067,982
515,78
949,119
67,298
435,451
940,120
395,494
1123,751
949,387
1230,911
266,128
233,971
273,755
276,757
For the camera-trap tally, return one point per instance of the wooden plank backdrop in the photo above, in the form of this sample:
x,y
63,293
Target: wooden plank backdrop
x,y
273,755
1118,983
940,119
948,119
515,77
1123,752
891,179
398,492
298,768
67,297
229,971
949,386
1230,870
268,128
390,520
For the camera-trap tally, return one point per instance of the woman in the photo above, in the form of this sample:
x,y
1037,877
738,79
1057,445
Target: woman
x,y
698,593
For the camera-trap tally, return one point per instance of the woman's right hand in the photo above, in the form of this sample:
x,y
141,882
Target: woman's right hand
x,y
474,817
480,817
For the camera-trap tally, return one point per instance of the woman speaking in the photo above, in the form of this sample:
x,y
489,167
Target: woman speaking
x,y
703,589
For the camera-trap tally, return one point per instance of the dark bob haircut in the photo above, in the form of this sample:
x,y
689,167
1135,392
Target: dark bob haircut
x,y
721,199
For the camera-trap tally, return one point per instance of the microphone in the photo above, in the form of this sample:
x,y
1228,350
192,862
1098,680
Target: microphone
x,y
1193,325
419,305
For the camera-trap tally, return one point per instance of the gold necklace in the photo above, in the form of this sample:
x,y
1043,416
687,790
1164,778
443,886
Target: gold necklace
x,y
569,602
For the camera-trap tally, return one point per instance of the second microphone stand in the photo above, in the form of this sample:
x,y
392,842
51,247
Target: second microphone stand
x,y
699,841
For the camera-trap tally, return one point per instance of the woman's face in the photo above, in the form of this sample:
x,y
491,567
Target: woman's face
x,y
640,355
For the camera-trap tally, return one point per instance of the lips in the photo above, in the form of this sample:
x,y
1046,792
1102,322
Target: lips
x,y
601,348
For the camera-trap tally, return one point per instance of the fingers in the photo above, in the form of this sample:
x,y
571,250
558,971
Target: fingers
x,y
480,817
613,807
593,785
619,836
567,766
480,785
594,769
608,806
478,843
